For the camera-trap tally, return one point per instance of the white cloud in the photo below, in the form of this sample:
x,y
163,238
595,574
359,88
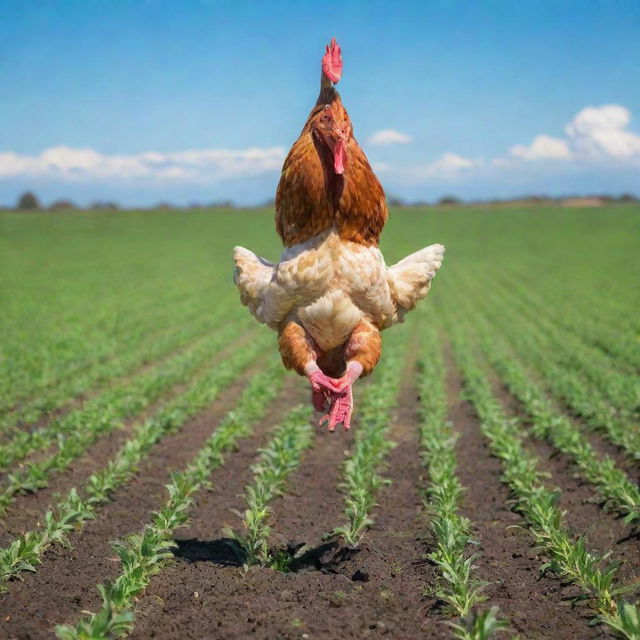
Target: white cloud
x,y
596,132
389,136
593,134
501,162
595,139
450,164
207,165
543,146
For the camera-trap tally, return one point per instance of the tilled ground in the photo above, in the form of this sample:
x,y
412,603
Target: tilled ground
x,y
385,588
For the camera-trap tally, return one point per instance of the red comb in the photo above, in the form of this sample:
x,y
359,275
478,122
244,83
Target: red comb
x,y
332,62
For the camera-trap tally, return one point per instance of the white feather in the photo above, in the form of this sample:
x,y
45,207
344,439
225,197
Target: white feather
x,y
329,285
410,279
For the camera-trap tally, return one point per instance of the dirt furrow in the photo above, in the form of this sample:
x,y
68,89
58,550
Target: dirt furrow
x,y
604,447
313,503
598,440
27,510
75,402
65,584
373,592
536,607
585,515
604,531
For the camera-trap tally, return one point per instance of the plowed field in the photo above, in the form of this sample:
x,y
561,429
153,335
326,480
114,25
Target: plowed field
x,y
162,476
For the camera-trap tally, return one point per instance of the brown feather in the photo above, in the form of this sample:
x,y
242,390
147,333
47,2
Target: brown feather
x,y
296,346
311,197
364,346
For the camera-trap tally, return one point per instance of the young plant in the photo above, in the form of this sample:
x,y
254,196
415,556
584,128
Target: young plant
x,y
147,344
361,477
479,625
613,485
277,460
26,551
567,557
567,383
79,430
457,584
143,555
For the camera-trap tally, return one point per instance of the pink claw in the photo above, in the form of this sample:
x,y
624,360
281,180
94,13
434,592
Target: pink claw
x,y
322,389
342,401
321,381
340,411
338,394
319,399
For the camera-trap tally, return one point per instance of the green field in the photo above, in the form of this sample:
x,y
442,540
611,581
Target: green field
x,y
512,395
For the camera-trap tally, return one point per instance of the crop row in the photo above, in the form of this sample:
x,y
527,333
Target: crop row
x,y
277,460
74,344
143,555
584,298
562,349
457,584
132,330
614,486
565,382
568,384
606,334
26,551
361,476
117,402
567,557
81,429
621,388
133,352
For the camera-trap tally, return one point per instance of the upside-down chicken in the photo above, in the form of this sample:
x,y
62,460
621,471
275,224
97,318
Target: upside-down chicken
x,y
331,294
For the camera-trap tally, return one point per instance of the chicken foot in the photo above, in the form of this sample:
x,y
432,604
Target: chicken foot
x,y
361,353
299,352
342,401
322,386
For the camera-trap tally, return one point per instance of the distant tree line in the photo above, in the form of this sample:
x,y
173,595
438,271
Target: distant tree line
x,y
28,201
452,201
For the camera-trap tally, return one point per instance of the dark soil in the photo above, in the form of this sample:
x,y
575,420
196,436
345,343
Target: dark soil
x,y
382,589
27,510
585,512
77,401
335,592
597,439
65,583
536,606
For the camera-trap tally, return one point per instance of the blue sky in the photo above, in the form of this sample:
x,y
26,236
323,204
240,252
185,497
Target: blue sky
x,y
197,101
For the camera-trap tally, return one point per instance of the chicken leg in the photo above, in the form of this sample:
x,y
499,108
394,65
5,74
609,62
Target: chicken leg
x,y
357,357
361,353
300,353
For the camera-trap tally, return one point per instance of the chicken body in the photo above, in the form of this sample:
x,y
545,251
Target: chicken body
x,y
329,298
331,293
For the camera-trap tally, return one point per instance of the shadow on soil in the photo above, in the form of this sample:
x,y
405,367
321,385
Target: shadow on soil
x,y
294,557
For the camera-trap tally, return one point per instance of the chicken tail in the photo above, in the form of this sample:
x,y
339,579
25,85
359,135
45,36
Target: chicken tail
x,y
410,279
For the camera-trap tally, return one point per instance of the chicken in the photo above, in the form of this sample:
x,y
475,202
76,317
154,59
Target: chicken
x,y
331,293
326,178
